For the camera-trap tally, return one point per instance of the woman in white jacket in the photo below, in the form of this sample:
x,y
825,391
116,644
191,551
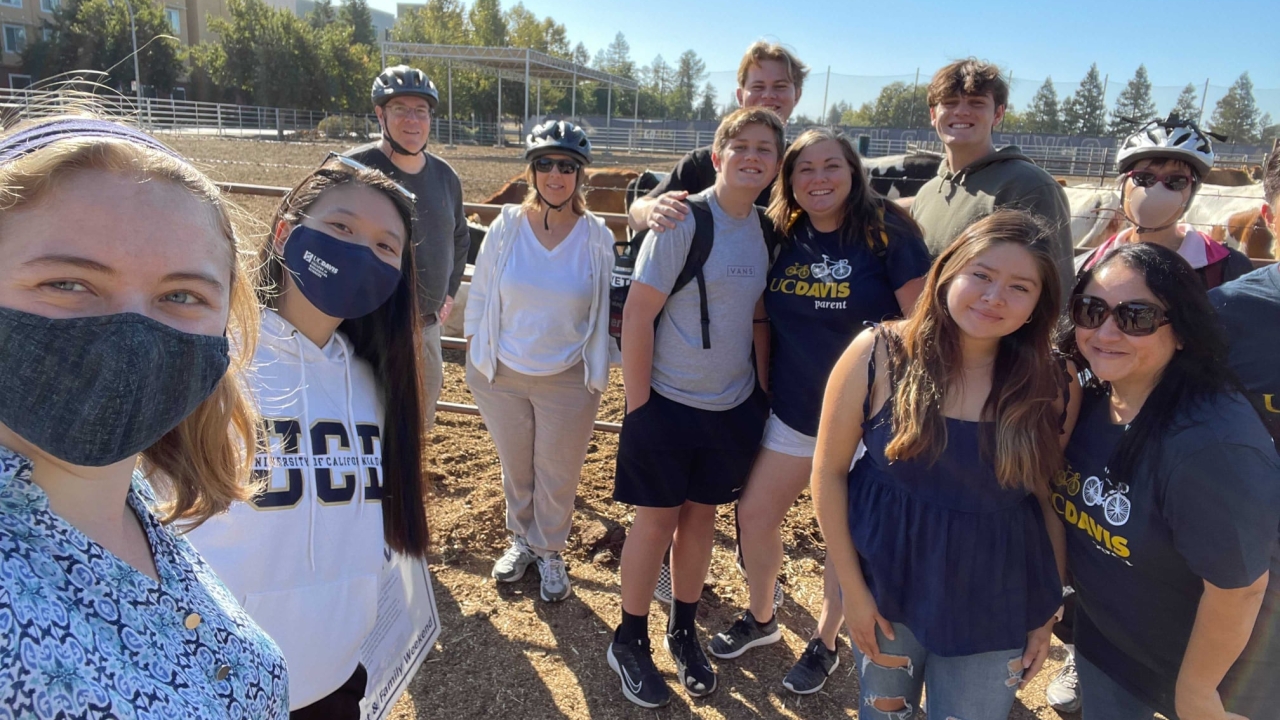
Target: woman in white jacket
x,y
335,377
537,329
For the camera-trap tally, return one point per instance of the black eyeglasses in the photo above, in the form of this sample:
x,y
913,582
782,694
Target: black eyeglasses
x,y
1144,179
361,167
566,166
1133,317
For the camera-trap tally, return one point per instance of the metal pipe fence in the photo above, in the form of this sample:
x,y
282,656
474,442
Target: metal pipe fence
x,y
224,119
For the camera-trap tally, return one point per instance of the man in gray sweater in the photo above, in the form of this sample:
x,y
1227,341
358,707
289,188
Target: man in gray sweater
x,y
403,100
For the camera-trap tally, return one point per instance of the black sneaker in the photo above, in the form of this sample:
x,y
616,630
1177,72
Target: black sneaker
x,y
641,682
744,634
813,668
692,665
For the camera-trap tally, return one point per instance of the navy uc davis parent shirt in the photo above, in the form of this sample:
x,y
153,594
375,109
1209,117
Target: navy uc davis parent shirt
x,y
820,294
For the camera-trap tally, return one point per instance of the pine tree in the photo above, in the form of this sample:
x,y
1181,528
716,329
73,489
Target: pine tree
x,y
1187,106
356,14
707,109
1043,116
1134,103
1236,115
1085,112
322,15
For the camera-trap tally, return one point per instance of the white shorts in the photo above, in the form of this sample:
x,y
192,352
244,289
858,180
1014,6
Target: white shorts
x,y
782,438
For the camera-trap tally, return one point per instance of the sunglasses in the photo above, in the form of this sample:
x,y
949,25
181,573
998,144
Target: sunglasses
x,y
1133,317
1144,179
358,166
566,167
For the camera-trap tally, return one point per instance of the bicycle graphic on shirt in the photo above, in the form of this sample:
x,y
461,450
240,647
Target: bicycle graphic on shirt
x,y
826,270
1114,503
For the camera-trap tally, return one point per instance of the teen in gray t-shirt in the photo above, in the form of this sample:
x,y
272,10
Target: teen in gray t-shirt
x,y
723,376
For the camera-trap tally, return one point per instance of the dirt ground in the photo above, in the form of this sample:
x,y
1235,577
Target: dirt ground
x,y
502,653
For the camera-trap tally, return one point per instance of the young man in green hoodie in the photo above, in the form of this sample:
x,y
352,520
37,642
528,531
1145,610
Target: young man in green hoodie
x,y
967,100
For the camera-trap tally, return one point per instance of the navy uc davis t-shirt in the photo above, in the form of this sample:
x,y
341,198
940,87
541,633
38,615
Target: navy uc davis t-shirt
x,y
820,294
1249,309
1207,509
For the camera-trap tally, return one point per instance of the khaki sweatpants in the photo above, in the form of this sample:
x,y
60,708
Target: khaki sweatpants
x,y
542,427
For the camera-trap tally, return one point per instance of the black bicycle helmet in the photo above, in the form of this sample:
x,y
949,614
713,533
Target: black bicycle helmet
x,y
558,136
402,80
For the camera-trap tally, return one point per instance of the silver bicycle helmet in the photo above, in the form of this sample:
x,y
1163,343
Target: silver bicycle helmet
x,y
1171,138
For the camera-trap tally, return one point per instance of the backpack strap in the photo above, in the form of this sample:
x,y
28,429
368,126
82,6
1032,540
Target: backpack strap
x,y
772,238
699,251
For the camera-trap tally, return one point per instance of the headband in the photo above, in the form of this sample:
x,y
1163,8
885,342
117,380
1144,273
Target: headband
x,y
32,139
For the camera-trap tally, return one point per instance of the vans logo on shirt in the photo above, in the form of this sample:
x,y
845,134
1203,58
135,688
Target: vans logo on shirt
x,y
742,271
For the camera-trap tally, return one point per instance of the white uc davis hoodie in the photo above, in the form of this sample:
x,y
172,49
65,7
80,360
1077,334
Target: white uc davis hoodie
x,y
304,557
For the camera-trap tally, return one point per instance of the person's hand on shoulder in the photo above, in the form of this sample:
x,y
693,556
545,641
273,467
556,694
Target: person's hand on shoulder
x,y
668,209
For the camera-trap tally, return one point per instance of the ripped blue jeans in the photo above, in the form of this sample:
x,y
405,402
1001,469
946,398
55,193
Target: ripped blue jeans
x,y
970,687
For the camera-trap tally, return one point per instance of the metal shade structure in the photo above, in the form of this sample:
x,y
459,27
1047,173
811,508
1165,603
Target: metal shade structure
x,y
518,64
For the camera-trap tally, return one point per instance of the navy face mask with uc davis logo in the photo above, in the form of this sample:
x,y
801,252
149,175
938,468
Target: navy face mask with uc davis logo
x,y
342,279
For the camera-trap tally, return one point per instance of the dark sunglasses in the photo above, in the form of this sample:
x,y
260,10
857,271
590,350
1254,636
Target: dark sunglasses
x,y
1133,317
1144,179
361,167
566,167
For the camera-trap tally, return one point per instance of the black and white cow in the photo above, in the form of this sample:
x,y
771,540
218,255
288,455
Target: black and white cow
x,y
901,176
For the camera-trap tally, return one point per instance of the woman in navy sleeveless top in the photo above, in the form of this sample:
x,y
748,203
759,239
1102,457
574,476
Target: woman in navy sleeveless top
x,y
947,549
849,257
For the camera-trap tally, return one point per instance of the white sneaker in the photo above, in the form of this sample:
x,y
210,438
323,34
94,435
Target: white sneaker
x,y
555,578
1063,693
511,566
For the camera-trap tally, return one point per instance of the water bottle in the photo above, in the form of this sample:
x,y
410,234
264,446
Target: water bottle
x,y
624,264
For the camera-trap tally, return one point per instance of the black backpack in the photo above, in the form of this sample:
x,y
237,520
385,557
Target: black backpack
x,y
624,263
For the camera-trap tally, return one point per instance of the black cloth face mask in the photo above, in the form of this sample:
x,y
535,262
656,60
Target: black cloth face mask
x,y
93,391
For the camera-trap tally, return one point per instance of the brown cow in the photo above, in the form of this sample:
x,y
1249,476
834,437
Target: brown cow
x,y
605,190
1228,177
1248,229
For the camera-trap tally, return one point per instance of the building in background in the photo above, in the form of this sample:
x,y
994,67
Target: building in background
x,y
22,20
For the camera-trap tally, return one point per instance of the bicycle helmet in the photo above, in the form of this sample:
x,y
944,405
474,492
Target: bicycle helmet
x,y
1171,138
401,80
558,136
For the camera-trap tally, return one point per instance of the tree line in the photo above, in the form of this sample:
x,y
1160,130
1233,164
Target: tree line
x,y
328,59
1084,112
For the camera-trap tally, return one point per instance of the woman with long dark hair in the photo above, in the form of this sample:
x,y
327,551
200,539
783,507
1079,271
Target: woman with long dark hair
x,y
942,536
848,257
338,386
1172,502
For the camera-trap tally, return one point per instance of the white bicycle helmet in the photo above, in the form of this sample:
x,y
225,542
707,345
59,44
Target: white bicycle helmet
x,y
1171,138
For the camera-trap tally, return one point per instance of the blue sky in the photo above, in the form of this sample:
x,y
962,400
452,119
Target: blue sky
x,y
1179,41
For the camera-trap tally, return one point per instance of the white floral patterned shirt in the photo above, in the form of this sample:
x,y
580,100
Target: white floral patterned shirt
x,y
84,635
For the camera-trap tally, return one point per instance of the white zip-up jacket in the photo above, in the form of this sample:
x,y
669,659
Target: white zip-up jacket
x,y
304,557
483,313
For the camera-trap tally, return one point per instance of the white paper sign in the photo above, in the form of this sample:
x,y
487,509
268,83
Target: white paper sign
x,y
405,632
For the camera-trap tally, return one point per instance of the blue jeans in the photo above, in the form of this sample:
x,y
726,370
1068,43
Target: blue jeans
x,y
1102,698
973,687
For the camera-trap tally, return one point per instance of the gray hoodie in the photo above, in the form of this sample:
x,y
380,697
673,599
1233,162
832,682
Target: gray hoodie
x,y
1006,178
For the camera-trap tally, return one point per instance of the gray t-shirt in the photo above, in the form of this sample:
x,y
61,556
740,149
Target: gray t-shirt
x,y
723,376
